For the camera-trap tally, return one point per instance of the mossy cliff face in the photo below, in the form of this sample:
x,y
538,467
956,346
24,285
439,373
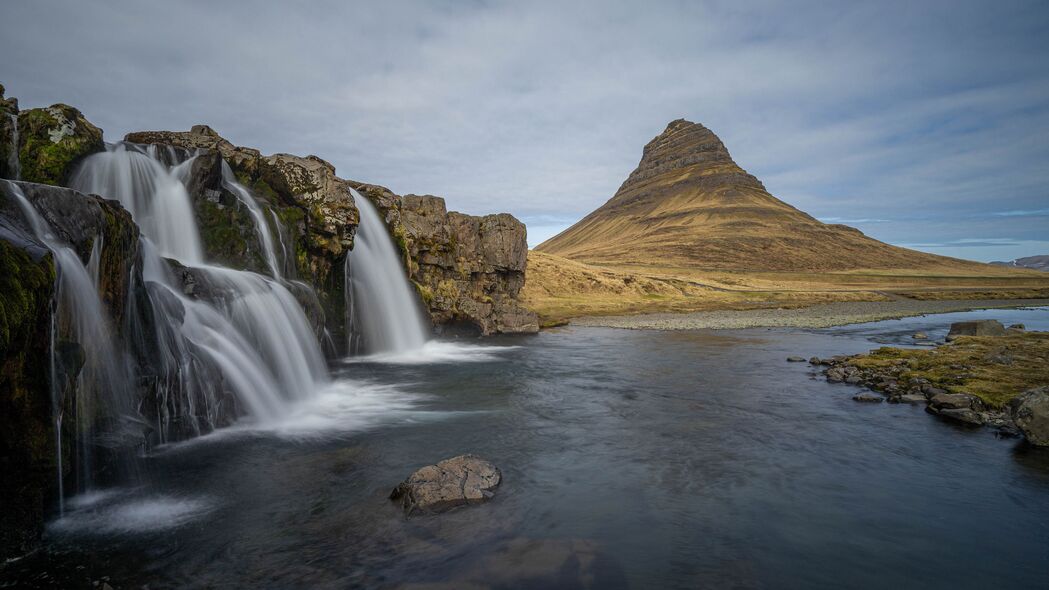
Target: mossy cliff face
x,y
27,291
8,137
52,140
468,270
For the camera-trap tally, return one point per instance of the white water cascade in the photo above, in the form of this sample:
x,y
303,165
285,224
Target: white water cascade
x,y
244,335
150,192
13,163
262,229
104,390
382,312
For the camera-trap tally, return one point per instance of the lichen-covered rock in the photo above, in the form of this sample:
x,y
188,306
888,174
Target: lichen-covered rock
x,y
468,270
52,140
1030,411
9,165
466,479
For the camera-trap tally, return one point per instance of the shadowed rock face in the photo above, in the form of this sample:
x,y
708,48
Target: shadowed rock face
x,y
689,204
27,290
469,270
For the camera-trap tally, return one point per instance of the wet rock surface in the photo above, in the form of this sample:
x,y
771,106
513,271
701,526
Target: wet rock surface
x,y
1030,412
466,479
469,270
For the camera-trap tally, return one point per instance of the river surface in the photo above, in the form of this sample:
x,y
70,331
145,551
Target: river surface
x,y
630,459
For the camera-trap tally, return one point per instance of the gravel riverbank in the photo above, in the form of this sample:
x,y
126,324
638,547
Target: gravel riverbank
x,y
817,316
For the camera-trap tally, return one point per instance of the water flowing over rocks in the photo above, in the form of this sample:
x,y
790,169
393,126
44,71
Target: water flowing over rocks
x,y
469,270
35,371
466,479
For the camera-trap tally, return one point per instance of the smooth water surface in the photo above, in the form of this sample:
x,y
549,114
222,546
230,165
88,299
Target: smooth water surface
x,y
631,459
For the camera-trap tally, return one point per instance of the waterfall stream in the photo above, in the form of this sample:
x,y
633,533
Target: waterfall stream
x,y
243,340
14,164
104,392
382,311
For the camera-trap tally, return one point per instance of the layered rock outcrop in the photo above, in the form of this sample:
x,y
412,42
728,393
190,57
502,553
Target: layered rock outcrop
x,y
469,270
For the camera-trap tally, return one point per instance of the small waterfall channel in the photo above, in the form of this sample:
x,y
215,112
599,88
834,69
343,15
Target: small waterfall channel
x,y
383,314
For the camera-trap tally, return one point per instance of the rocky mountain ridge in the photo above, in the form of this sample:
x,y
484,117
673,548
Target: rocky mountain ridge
x,y
689,204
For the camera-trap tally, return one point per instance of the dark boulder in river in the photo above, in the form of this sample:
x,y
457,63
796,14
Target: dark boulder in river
x,y
976,328
466,479
1030,411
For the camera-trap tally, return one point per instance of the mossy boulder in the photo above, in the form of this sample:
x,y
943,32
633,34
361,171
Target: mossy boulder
x,y
52,140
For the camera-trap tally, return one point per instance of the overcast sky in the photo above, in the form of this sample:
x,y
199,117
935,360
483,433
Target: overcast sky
x,y
924,124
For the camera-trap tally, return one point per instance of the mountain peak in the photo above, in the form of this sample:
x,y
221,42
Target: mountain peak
x,y
689,204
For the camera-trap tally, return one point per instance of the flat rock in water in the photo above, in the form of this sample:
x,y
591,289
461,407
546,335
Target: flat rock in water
x,y
951,401
868,398
795,359
466,479
920,336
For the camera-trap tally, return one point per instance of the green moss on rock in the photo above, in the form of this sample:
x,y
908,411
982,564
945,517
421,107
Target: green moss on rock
x,y
52,140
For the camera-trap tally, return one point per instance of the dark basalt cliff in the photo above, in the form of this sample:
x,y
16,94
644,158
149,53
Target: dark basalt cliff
x,y
689,204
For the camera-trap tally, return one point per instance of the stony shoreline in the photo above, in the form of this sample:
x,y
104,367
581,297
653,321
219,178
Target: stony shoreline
x,y
817,316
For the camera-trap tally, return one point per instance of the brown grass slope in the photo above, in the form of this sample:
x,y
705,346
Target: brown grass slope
x,y
689,204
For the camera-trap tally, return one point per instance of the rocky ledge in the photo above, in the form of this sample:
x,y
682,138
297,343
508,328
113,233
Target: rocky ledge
x,y
469,270
995,381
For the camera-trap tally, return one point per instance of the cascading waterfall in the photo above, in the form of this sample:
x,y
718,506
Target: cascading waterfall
x,y
229,182
247,338
14,164
155,198
382,311
104,393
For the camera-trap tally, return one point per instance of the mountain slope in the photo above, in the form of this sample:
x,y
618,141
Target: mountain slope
x,y
689,204
1040,262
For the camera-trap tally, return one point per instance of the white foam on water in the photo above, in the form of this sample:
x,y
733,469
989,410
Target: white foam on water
x,y
435,352
117,511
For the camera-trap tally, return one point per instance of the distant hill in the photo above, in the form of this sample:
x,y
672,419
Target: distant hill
x,y
689,204
1040,262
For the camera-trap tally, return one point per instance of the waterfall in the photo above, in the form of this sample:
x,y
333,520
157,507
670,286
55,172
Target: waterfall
x,y
243,340
150,192
14,164
104,396
382,311
229,182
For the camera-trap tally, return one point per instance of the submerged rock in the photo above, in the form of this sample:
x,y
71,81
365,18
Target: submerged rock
x,y
976,328
868,398
1030,412
795,359
466,479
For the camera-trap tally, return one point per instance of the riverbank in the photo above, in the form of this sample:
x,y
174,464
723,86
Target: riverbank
x,y
823,315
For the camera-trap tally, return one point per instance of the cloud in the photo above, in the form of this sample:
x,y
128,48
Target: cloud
x,y
1028,213
914,112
